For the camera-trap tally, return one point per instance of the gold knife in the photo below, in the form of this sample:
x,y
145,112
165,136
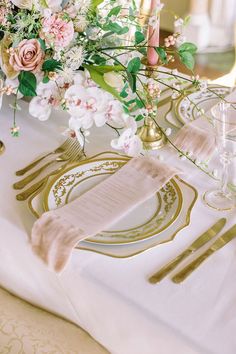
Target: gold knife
x,y
219,243
198,243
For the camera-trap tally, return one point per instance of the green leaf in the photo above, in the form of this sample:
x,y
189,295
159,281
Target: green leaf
x,y
105,68
2,33
132,80
139,117
115,11
139,37
188,47
97,77
123,93
42,44
115,28
51,65
98,59
27,84
143,51
187,20
139,103
134,65
162,54
95,4
46,79
187,59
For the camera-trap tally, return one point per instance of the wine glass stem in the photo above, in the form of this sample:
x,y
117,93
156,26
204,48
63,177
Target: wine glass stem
x,y
225,175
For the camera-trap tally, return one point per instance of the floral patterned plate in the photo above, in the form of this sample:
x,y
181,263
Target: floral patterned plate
x,y
150,219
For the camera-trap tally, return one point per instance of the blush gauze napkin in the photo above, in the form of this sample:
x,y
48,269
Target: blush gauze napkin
x,y
198,136
57,232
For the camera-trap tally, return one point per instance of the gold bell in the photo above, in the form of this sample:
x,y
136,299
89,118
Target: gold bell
x,y
151,136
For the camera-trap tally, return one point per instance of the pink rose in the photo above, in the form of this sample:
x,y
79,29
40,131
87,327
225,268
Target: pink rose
x,y
57,31
28,56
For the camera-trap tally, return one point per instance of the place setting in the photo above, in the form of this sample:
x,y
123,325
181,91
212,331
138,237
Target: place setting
x,y
155,221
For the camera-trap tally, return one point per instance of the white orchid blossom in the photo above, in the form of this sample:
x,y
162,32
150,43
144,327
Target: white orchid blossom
x,y
88,105
41,106
128,142
74,131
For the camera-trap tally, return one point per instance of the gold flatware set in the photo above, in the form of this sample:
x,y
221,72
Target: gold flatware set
x,y
196,245
69,152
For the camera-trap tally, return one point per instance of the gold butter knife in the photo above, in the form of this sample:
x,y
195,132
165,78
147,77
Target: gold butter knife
x,y
198,243
219,243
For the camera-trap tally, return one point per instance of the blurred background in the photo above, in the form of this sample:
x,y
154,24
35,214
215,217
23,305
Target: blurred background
x,y
212,27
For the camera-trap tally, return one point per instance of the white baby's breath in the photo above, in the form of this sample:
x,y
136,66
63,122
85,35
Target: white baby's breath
x,y
74,58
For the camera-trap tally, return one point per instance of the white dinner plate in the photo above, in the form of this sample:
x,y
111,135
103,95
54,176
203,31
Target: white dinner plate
x,y
187,108
150,218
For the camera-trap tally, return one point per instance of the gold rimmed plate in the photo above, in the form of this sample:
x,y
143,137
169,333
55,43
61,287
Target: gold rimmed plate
x,y
187,108
125,250
147,220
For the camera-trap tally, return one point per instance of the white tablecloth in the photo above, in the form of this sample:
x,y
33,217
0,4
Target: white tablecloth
x,y
111,298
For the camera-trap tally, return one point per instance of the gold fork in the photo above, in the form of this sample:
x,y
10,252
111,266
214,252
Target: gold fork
x,y
75,147
38,186
62,148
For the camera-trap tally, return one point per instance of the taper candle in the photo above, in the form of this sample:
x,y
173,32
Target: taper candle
x,y
153,33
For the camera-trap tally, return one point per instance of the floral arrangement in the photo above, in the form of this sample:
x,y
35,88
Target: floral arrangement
x,y
86,57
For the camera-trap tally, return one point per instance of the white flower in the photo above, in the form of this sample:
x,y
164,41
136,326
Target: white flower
x,y
54,5
88,105
74,126
180,40
176,92
153,21
160,7
80,23
179,22
74,58
168,131
202,85
39,108
75,7
14,83
115,114
47,96
83,78
128,142
93,33
66,76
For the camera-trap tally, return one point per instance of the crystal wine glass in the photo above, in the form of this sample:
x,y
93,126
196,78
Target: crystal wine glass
x,y
224,123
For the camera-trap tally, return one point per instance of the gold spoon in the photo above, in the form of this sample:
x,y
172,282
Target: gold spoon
x,y
2,147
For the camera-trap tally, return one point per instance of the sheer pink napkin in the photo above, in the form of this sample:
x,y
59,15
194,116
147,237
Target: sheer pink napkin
x,y
57,232
198,137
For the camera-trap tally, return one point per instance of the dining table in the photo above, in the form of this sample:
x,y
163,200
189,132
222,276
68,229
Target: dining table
x,y
111,297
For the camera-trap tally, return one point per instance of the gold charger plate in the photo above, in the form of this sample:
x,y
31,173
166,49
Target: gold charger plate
x,y
150,219
126,250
